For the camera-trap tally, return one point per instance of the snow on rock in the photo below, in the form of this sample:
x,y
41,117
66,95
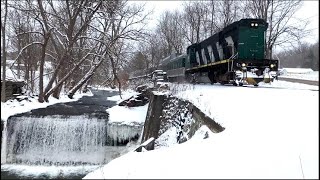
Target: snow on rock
x,y
125,95
167,139
134,101
127,115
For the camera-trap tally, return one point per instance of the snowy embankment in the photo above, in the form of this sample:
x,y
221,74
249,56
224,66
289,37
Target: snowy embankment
x,y
313,76
126,115
270,133
300,73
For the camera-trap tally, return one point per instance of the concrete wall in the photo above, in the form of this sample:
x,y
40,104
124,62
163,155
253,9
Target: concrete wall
x,y
152,122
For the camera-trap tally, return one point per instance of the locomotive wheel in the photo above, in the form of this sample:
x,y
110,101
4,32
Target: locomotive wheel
x,y
223,82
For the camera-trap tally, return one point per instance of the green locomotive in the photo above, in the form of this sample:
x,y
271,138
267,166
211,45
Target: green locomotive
x,y
235,55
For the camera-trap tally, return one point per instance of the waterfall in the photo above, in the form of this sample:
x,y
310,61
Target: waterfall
x,y
56,140
119,134
3,142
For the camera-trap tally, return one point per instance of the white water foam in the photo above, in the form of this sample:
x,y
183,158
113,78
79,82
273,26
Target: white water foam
x,y
49,171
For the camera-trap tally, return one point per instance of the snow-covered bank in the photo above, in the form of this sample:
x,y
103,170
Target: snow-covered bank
x,y
126,115
12,107
270,133
300,73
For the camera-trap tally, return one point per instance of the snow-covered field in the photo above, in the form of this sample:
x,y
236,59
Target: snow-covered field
x,y
312,76
272,131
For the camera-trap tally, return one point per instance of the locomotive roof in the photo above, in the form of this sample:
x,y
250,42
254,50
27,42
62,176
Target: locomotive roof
x,y
244,22
172,58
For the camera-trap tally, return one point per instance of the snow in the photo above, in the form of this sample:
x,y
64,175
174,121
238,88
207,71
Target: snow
x,y
127,115
271,131
54,172
12,107
166,139
300,73
312,76
297,70
280,84
125,95
11,75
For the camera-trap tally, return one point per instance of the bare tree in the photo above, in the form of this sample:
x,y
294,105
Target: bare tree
x,y
171,31
72,33
117,22
227,11
302,56
193,13
278,14
4,51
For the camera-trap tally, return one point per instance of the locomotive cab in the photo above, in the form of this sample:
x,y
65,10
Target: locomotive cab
x,y
251,39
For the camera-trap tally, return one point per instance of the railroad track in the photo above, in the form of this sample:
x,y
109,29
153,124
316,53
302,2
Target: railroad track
x,y
251,86
315,83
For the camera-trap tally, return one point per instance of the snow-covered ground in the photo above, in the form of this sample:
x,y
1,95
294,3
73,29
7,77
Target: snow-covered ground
x,y
300,73
271,131
124,114
127,115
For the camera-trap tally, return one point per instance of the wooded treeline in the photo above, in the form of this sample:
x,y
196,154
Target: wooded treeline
x,y
64,45
302,56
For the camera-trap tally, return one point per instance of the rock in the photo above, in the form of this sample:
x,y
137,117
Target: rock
x,y
134,101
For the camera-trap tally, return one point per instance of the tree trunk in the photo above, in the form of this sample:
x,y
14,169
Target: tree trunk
x,y
84,79
43,55
56,92
59,84
79,85
4,54
114,71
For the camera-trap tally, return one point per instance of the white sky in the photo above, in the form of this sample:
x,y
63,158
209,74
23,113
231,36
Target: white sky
x,y
310,11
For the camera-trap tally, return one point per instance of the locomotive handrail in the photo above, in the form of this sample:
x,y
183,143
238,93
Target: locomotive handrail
x,y
232,57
